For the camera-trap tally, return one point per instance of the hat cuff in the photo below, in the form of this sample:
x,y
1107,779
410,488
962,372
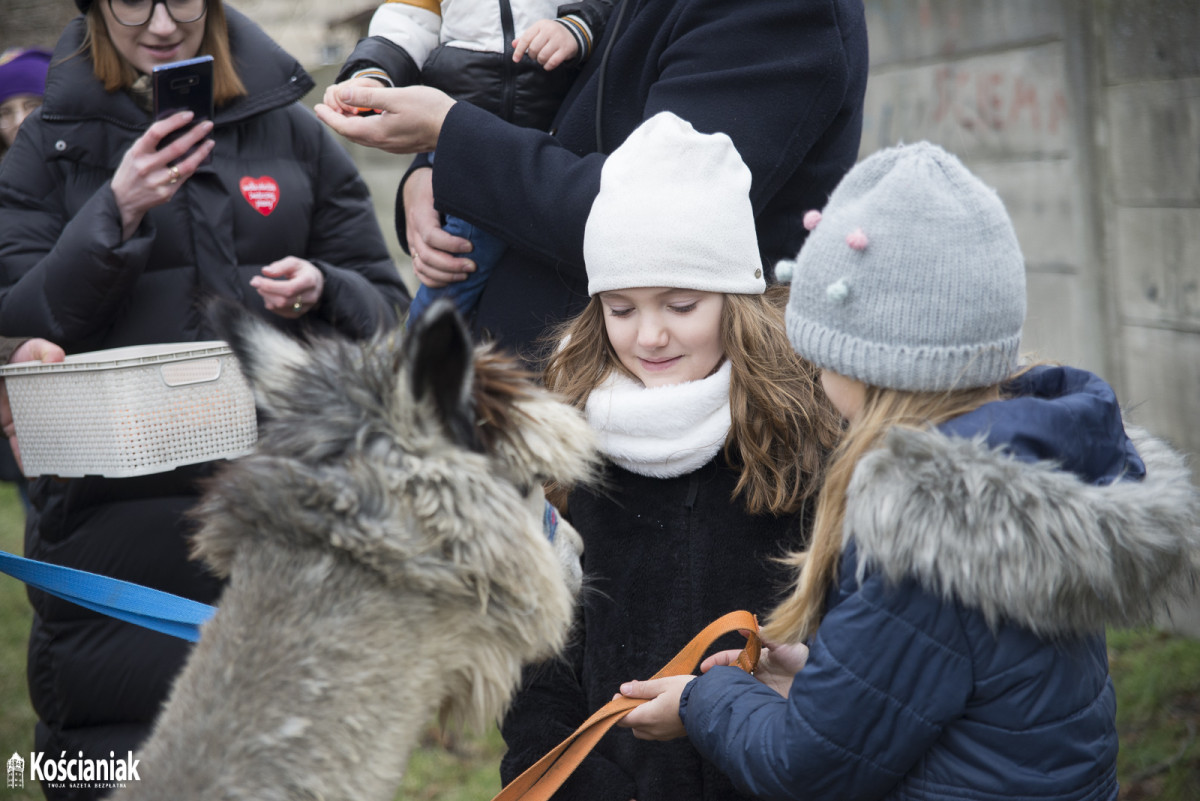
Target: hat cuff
x,y
914,368
726,282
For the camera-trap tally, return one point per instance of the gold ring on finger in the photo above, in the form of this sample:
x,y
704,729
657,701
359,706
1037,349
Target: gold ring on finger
x,y
297,306
174,174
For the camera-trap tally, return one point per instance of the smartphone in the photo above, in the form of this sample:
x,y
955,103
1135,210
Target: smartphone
x,y
180,86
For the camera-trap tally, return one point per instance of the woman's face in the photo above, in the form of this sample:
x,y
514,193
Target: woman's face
x,y
665,336
161,40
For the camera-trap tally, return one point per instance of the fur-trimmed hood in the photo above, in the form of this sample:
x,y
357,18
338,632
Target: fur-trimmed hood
x,y
1040,510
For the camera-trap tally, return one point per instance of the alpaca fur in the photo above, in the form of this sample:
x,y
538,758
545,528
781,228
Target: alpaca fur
x,y
1023,542
386,561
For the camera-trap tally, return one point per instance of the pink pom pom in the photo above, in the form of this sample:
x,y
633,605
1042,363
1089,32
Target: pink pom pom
x,y
811,219
857,239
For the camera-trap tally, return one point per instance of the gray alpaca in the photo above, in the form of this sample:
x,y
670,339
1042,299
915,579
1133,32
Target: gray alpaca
x,y
386,559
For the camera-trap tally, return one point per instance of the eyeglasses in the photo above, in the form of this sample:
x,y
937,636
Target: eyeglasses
x,y
13,112
133,13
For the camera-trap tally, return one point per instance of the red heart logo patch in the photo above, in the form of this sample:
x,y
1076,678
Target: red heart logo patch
x,y
261,193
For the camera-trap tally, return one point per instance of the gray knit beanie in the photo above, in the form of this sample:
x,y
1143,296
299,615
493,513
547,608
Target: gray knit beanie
x,y
911,277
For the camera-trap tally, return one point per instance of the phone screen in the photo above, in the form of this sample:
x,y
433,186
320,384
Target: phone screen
x,y
184,85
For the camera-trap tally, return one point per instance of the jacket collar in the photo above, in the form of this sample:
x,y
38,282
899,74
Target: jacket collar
x,y
272,77
1019,538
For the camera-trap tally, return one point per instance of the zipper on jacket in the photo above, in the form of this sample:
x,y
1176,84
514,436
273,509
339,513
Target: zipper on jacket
x,y
508,96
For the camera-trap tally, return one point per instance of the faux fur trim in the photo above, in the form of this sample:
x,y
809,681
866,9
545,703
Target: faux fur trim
x,y
1024,542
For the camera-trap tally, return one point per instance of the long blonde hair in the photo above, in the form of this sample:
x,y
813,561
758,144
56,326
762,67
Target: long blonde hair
x,y
117,73
782,424
798,616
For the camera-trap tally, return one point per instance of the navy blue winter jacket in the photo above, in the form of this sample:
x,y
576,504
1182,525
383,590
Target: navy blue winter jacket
x,y
962,655
785,80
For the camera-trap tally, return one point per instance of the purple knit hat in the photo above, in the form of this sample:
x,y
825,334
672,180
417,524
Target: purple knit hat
x,y
23,72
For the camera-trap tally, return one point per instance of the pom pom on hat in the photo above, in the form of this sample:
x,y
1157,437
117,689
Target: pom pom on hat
x,y
23,72
673,211
933,299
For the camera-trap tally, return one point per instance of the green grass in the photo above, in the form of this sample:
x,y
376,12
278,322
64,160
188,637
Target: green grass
x,y
1158,710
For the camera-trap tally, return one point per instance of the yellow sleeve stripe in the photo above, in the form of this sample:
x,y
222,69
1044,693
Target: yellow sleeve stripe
x,y
432,6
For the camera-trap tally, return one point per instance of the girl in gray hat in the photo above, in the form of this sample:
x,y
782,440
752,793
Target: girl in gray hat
x,y
979,526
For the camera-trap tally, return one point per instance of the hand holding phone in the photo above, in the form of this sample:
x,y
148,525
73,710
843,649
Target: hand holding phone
x,y
181,86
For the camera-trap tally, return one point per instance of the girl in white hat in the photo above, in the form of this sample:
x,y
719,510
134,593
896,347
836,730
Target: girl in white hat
x,y
714,433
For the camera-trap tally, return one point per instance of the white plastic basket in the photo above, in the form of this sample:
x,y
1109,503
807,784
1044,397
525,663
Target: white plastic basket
x,y
131,411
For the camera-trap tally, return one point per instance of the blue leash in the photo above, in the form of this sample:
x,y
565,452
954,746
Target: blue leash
x,y
154,609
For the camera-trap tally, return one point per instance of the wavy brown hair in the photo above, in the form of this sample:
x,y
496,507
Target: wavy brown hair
x,y
798,616
782,424
116,73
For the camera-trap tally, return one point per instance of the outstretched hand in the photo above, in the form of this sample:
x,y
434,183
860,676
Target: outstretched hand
x,y
409,119
33,350
777,665
658,718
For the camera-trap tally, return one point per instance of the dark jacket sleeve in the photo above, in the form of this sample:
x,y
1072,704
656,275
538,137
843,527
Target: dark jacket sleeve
x,y
61,281
363,290
594,12
549,707
888,669
380,52
725,64
8,346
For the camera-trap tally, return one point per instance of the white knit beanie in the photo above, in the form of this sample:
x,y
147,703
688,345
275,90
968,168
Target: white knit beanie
x,y
673,211
912,277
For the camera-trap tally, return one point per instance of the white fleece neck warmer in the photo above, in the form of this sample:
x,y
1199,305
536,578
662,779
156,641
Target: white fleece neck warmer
x,y
661,432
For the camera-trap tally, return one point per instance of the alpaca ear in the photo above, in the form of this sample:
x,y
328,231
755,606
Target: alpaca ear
x,y
441,360
269,359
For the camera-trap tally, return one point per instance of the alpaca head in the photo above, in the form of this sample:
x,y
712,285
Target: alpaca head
x,y
418,460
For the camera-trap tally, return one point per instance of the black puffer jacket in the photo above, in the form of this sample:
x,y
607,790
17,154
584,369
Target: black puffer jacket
x,y
663,558
65,275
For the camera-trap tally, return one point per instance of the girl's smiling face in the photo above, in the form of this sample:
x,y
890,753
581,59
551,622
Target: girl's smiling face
x,y
663,335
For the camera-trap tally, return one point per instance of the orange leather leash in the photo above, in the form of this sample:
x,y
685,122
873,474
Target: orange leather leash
x,y
545,776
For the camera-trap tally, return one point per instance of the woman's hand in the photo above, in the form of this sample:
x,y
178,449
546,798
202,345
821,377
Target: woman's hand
x,y
290,287
409,119
777,665
658,718
434,252
146,178
33,350
332,94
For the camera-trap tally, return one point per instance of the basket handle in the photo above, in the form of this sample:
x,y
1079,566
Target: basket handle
x,y
193,371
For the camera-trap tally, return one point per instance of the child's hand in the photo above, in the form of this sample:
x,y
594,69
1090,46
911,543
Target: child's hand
x,y
777,667
548,43
333,99
657,719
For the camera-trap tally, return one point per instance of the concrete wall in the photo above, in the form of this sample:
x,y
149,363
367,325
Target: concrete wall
x,y
1085,116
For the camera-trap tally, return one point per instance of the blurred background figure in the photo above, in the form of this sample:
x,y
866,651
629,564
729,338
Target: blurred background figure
x,y
22,84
